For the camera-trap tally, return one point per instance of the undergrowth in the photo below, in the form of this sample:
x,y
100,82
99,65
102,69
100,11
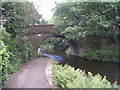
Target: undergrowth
x,y
67,77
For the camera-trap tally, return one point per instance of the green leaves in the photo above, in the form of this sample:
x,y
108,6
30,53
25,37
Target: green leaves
x,y
19,15
106,53
78,20
4,63
96,18
75,32
68,77
56,44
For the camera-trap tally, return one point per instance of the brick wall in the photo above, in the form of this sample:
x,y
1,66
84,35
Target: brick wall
x,y
38,34
41,29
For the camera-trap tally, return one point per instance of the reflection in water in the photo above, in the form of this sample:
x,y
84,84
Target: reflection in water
x,y
57,58
110,70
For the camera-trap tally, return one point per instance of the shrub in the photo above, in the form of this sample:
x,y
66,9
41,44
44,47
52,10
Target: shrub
x,y
68,51
12,54
56,44
4,63
106,53
68,77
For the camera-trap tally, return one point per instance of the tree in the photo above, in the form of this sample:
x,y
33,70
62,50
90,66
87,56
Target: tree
x,y
99,19
19,15
14,49
43,21
102,19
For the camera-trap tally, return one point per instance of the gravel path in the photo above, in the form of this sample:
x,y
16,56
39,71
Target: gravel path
x,y
32,75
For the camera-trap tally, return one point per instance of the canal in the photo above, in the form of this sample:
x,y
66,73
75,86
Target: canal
x,y
108,69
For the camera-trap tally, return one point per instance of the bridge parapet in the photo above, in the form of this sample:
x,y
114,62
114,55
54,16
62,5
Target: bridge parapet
x,y
41,29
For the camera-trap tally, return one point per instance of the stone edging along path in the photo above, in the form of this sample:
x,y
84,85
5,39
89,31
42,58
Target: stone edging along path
x,y
48,73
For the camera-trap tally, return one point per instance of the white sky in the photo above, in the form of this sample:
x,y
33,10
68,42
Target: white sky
x,y
44,7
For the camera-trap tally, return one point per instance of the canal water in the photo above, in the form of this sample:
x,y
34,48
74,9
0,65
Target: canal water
x,y
108,69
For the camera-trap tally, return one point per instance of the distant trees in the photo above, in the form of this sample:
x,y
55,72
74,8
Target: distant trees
x,y
43,21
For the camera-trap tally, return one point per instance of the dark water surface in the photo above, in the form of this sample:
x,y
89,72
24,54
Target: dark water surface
x,y
108,69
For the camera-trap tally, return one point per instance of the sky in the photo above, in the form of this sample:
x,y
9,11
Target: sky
x,y
45,7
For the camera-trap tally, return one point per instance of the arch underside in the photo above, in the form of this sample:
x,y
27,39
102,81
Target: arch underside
x,y
73,43
37,34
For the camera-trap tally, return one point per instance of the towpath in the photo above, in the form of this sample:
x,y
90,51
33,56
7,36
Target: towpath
x,y
31,75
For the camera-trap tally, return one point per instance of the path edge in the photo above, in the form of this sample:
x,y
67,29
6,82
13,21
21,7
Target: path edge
x,y
48,72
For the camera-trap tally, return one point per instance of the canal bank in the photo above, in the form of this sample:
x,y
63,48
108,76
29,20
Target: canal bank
x,y
108,69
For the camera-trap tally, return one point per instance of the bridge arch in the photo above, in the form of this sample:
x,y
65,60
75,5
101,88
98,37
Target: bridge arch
x,y
39,33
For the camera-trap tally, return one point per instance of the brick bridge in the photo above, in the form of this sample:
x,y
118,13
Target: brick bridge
x,y
39,33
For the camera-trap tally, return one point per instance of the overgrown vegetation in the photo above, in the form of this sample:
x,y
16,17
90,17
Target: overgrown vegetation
x,y
68,77
55,43
4,63
14,48
106,53
77,20
81,19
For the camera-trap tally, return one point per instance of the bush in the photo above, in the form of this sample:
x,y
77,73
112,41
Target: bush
x,y
4,63
68,51
106,53
68,77
13,52
56,44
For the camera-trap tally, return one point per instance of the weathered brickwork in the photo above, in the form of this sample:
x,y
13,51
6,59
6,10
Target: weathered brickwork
x,y
41,29
38,34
